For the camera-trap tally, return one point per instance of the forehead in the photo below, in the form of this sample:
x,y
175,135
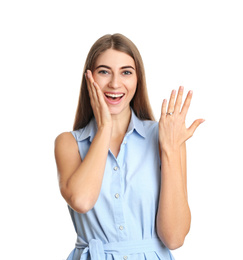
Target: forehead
x,y
114,58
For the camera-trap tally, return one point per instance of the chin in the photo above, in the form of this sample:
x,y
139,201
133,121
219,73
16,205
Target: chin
x,y
119,110
115,111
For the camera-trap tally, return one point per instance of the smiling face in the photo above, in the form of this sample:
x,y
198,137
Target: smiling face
x,y
115,73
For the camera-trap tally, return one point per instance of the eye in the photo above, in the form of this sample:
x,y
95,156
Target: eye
x,y
103,72
127,72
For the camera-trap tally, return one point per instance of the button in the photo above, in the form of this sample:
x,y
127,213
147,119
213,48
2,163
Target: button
x,y
125,257
125,142
121,227
115,168
117,195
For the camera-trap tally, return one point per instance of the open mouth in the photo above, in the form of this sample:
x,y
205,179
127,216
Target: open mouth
x,y
114,97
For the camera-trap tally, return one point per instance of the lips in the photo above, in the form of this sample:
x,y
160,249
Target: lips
x,y
114,98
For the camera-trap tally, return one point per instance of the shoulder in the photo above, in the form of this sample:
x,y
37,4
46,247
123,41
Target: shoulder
x,y
65,137
66,151
65,141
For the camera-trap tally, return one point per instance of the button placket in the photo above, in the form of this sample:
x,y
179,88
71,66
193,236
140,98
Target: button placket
x,y
116,192
121,227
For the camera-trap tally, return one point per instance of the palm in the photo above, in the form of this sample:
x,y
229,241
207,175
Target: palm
x,y
99,106
172,127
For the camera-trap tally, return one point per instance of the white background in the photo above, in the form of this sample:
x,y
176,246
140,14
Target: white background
x,y
197,44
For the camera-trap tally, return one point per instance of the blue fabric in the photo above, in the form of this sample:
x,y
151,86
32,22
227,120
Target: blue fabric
x,y
122,223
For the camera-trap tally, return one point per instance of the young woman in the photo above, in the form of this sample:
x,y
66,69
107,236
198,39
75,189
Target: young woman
x,y
122,174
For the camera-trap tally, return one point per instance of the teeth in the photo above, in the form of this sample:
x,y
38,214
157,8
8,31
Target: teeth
x,y
114,95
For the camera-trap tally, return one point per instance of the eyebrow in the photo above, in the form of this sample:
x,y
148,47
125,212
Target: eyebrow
x,y
124,67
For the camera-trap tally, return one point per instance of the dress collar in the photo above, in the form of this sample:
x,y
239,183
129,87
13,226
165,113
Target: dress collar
x,y
90,130
137,125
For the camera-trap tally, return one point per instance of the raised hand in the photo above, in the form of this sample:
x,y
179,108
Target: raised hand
x,y
99,106
172,127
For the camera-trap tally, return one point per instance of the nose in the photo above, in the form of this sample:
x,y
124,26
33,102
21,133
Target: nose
x,y
114,82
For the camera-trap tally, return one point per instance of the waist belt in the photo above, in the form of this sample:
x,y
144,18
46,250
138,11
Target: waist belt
x,y
97,250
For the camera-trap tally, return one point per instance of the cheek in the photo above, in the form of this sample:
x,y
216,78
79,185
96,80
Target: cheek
x,y
99,80
133,86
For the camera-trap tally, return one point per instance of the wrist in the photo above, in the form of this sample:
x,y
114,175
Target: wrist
x,y
170,149
105,129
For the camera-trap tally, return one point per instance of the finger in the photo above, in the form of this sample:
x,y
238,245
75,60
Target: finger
x,y
171,101
95,88
163,108
179,100
91,88
87,77
194,126
187,103
99,94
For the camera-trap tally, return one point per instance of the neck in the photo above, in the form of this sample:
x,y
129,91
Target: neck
x,y
120,123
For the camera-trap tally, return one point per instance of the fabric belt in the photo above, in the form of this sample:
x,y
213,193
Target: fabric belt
x,y
97,250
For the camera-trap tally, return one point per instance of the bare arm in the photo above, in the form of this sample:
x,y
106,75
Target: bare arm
x,y
184,165
174,217
80,181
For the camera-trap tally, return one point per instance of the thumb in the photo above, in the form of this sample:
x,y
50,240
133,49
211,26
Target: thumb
x,y
195,125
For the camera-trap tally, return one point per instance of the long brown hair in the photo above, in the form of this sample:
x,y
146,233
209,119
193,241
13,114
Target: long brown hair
x,y
140,102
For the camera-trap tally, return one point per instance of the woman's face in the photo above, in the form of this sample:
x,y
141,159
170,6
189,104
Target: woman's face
x,y
115,73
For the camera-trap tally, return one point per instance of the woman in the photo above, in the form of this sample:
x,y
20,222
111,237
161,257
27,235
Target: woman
x,y
122,174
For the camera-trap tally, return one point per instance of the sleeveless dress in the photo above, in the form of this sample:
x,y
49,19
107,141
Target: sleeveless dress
x,y
122,224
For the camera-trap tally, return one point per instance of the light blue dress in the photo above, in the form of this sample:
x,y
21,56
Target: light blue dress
x,y
122,223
